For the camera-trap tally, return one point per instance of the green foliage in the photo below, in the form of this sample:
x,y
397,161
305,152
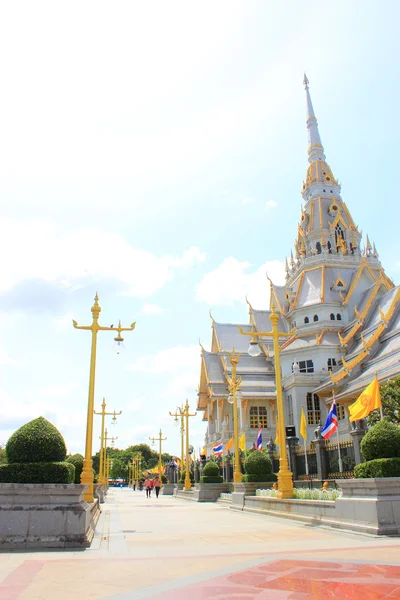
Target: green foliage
x,y
45,472
382,441
96,462
211,479
164,478
3,458
211,469
258,463
390,396
259,477
380,467
36,442
77,461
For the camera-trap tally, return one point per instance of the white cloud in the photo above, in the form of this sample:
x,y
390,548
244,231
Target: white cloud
x,y
270,204
151,309
171,360
84,255
231,282
248,200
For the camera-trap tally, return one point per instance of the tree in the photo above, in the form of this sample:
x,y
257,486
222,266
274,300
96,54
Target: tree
x,y
2,455
390,395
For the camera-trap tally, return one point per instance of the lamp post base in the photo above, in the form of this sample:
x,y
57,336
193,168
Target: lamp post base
x,y
237,477
87,479
285,484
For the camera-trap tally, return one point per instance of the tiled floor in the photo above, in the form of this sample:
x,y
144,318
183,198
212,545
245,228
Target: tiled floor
x,y
173,549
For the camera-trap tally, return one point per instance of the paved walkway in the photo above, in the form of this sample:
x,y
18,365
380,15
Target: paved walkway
x,y
167,548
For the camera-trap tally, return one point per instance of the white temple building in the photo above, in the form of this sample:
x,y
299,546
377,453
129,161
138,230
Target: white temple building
x,y
340,307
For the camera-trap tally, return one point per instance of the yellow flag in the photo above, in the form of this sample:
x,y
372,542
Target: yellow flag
x,y
229,445
242,442
369,400
277,433
303,425
204,452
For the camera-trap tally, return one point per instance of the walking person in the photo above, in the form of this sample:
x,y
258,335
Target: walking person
x,y
147,487
134,485
157,485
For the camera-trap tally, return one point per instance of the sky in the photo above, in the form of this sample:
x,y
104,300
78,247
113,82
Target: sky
x,y
155,153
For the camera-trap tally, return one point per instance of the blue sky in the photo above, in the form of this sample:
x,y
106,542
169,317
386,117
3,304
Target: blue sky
x,y
156,154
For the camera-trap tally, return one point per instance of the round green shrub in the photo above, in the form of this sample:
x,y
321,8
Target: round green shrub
x,y
77,461
37,441
258,463
381,441
183,477
380,467
211,469
53,472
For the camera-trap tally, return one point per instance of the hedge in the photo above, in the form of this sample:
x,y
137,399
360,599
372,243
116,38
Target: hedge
x,y
36,442
381,441
46,472
253,477
182,478
211,479
164,478
380,467
77,461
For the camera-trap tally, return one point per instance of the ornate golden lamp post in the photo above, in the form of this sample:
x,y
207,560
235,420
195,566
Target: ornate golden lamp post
x,y
186,414
285,481
103,414
180,414
106,439
159,439
87,473
234,396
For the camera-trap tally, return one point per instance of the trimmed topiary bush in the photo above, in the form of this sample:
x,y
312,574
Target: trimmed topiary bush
x,y
164,478
380,467
77,461
50,472
183,477
36,442
381,441
258,465
211,479
211,469
250,478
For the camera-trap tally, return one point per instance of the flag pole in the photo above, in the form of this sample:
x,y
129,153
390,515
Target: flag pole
x,y
305,449
338,442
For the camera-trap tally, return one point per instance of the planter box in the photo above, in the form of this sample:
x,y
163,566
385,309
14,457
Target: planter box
x,y
372,504
209,492
46,516
168,489
241,490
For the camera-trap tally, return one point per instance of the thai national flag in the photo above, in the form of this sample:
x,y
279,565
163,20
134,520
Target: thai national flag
x,y
331,422
259,439
218,449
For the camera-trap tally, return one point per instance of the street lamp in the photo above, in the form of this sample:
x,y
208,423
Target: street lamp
x,y
159,439
180,413
105,463
87,473
285,481
103,414
234,398
186,414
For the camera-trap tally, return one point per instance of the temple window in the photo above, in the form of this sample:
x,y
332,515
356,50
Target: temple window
x,y
329,247
305,366
339,236
318,248
331,363
315,318
340,412
258,417
332,317
313,409
306,320
338,317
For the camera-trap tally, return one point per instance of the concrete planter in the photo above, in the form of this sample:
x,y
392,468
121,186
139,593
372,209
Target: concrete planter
x,y
373,504
209,492
46,516
248,489
168,489
366,506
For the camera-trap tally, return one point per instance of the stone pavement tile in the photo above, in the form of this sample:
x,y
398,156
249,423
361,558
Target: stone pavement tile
x,y
98,579
295,580
19,579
